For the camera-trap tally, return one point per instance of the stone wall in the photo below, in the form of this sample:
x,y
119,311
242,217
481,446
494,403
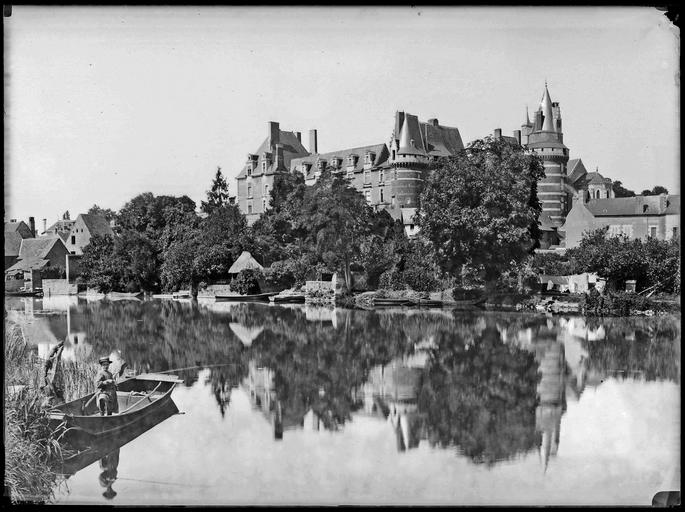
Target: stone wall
x,y
59,287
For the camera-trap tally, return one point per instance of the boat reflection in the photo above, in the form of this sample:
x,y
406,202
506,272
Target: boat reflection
x,y
106,451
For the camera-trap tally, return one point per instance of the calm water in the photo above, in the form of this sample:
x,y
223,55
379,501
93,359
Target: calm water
x,y
312,405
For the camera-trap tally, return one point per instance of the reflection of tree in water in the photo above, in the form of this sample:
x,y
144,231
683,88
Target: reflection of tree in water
x,y
647,348
480,396
159,335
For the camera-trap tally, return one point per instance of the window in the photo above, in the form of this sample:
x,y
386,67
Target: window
x,y
264,166
382,199
411,227
652,231
367,177
249,171
620,229
266,190
73,252
381,176
597,194
368,196
264,204
73,240
249,207
392,200
675,232
393,154
249,190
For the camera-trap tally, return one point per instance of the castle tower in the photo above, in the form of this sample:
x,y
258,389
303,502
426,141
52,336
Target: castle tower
x,y
547,141
409,160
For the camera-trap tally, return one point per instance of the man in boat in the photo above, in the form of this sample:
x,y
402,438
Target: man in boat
x,y
106,389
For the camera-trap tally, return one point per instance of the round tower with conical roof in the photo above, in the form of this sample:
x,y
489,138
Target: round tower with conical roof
x,y
409,161
547,141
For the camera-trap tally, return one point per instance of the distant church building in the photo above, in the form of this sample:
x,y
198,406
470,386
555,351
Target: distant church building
x,y
388,175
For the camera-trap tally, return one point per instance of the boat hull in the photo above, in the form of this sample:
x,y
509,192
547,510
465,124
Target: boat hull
x,y
83,421
260,297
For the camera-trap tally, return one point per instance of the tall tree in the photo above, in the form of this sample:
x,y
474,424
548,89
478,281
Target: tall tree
x,y
657,190
103,212
480,207
217,196
620,190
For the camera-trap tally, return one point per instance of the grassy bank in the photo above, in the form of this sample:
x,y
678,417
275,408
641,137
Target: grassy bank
x,y
32,450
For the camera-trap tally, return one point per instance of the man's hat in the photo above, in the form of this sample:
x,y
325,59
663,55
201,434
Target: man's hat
x,y
104,359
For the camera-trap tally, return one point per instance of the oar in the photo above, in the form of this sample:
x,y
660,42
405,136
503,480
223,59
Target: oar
x,y
146,396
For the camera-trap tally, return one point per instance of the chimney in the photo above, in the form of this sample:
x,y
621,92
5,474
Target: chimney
x,y
45,225
32,225
313,147
433,122
498,133
274,134
517,136
299,137
279,157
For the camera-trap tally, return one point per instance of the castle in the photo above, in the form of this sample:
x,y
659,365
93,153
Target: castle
x,y
390,174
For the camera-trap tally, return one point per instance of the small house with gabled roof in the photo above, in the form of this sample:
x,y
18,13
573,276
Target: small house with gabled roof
x,y
86,226
15,232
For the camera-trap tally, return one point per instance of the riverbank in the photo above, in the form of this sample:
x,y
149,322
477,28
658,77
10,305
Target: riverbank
x,y
33,453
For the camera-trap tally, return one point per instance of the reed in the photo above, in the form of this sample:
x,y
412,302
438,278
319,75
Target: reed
x,y
32,449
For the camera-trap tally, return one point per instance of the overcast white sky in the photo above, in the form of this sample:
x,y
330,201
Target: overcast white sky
x,y
104,103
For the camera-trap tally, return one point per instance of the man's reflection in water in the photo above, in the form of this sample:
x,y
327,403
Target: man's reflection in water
x,y
109,464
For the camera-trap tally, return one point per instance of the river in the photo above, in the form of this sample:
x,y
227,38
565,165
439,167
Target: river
x,y
306,405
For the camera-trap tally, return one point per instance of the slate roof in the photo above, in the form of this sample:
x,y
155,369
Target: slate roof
x,y
575,170
97,224
32,248
380,150
595,177
28,264
292,148
429,137
19,227
244,261
634,206
12,243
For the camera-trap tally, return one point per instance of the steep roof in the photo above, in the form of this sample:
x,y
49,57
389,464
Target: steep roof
x,y
12,243
575,170
37,248
292,148
380,151
244,261
19,227
546,106
595,177
96,224
546,222
633,206
442,140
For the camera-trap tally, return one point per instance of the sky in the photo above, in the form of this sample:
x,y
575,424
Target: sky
x,y
105,103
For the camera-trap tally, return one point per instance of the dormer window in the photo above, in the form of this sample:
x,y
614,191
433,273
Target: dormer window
x,y
321,165
369,157
305,168
249,171
352,160
264,166
335,162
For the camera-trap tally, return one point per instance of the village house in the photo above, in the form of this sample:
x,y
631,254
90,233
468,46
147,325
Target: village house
x,y
635,217
15,232
37,258
61,228
85,226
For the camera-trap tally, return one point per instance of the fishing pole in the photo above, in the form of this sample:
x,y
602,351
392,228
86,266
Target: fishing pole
x,y
200,366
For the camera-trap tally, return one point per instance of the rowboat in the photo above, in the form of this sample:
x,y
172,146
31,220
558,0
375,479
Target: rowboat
x,y
181,294
123,295
243,298
288,299
25,293
138,397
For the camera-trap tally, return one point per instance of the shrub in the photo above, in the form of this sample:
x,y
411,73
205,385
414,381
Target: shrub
x,y
247,282
615,304
420,279
391,280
